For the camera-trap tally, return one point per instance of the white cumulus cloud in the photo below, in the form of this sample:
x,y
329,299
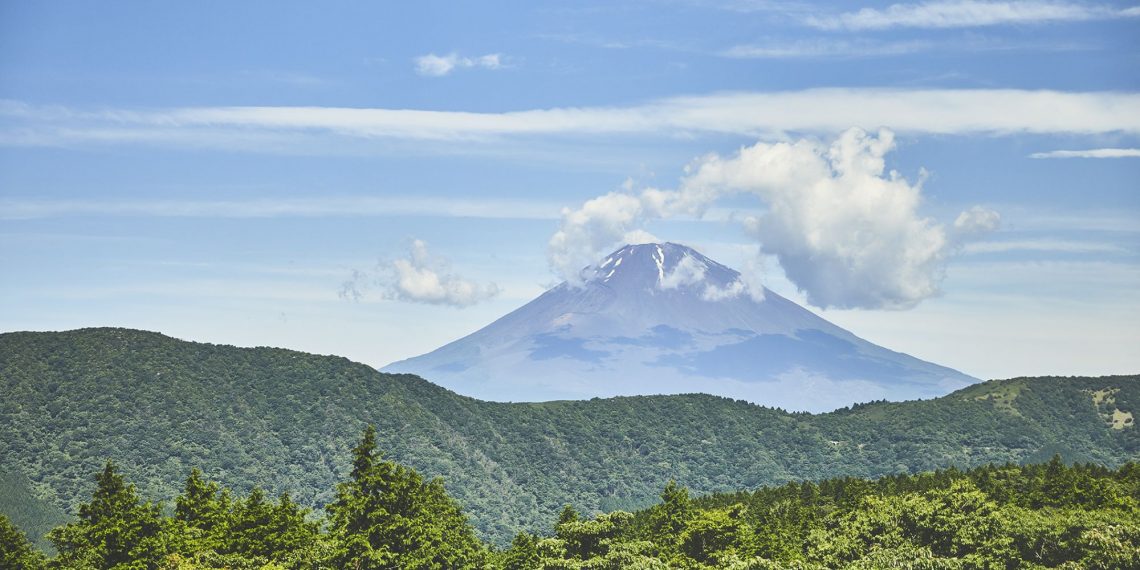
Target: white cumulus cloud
x,y
847,232
977,220
419,278
432,65
598,224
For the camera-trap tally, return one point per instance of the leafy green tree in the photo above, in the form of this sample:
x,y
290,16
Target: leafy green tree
x,y
715,535
907,558
960,522
386,516
586,539
1111,546
115,530
602,543
16,552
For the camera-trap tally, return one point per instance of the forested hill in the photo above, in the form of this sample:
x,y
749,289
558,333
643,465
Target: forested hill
x,y
285,420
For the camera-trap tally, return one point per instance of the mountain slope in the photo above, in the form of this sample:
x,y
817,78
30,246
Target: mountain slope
x,y
664,319
286,420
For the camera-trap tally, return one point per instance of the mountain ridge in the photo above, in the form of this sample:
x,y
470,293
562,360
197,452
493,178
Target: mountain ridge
x,y
285,420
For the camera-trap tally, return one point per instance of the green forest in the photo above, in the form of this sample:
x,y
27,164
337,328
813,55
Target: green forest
x,y
281,421
130,449
385,515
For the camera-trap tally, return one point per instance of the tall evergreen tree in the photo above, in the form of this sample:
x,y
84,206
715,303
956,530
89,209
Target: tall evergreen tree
x,y
674,511
523,553
568,515
116,530
276,532
202,513
250,525
200,503
386,516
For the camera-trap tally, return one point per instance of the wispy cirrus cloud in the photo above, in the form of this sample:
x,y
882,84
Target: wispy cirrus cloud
x,y
432,65
597,41
830,47
824,48
1043,245
1053,221
348,206
1090,153
825,111
967,13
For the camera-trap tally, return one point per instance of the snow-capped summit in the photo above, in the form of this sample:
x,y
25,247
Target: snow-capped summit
x,y
665,265
662,319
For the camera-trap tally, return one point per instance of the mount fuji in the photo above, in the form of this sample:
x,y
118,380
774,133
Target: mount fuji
x,y
664,319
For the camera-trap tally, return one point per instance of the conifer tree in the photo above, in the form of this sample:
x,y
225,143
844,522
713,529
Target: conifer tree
x,y
568,515
277,532
199,504
669,519
250,531
201,512
386,516
523,553
674,511
115,530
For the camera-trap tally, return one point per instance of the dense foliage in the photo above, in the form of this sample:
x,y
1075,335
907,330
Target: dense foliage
x,y
281,420
1036,516
387,517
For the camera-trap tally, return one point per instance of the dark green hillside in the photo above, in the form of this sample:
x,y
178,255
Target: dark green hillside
x,y
282,420
35,515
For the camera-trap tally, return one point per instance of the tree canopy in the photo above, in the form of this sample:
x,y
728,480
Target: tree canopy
x,y
386,516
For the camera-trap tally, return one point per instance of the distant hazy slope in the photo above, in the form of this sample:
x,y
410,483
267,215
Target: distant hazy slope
x,y
285,420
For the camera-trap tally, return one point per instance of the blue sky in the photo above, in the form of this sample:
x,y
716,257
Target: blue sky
x,y
373,180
